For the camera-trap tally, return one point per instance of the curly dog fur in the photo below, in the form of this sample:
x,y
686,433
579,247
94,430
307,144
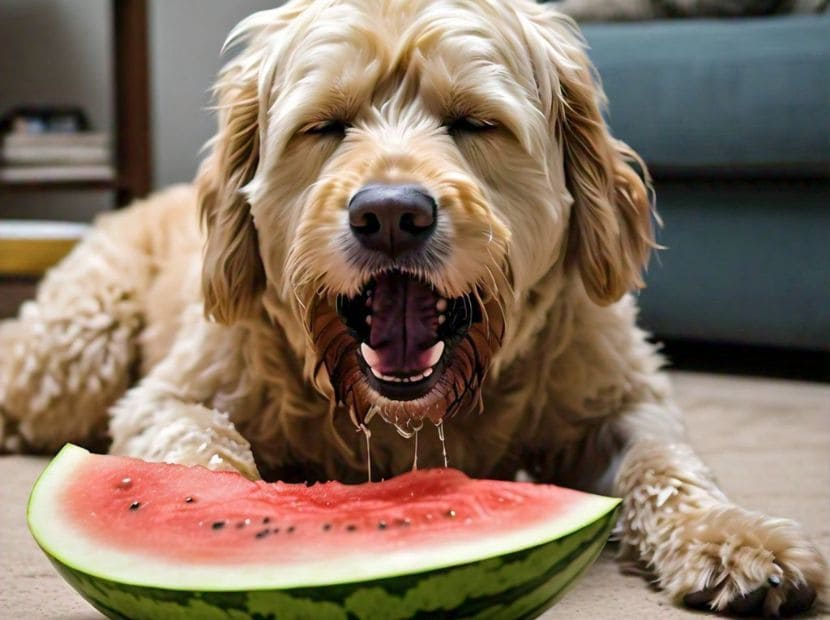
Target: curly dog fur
x,y
220,344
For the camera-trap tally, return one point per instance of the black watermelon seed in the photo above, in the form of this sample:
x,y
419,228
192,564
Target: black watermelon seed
x,y
403,522
275,530
218,525
290,529
263,533
326,526
351,527
266,520
188,500
382,525
451,513
135,505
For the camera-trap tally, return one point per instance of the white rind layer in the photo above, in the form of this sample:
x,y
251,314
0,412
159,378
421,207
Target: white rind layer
x,y
70,546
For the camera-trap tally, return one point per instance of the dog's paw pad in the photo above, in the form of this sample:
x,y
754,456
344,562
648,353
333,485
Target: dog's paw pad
x,y
799,598
769,601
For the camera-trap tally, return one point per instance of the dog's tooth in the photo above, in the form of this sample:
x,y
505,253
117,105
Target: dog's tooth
x,y
368,319
406,379
415,378
376,373
426,373
369,354
441,319
435,353
441,305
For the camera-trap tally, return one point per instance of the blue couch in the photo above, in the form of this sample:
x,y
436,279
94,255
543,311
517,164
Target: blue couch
x,y
733,118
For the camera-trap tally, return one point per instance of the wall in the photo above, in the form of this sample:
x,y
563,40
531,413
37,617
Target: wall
x,y
186,37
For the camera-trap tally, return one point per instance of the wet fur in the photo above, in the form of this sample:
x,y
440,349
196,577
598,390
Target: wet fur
x,y
547,217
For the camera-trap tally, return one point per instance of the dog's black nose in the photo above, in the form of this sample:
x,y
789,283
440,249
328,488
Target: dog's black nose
x,y
393,219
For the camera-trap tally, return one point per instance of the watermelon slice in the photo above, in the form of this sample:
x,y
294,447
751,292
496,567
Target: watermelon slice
x,y
150,540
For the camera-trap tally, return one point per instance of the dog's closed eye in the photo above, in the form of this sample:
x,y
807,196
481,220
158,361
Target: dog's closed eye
x,y
328,128
470,124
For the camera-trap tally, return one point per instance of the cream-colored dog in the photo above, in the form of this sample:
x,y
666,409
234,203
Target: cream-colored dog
x,y
415,219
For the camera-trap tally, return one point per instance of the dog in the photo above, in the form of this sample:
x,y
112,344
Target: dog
x,y
414,222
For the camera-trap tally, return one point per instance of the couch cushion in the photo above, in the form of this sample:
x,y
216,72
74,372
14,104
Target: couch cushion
x,y
723,96
746,261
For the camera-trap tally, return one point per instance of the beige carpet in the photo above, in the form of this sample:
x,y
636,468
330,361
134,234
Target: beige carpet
x,y
767,440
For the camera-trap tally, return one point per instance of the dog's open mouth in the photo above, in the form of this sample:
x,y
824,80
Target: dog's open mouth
x,y
400,349
406,331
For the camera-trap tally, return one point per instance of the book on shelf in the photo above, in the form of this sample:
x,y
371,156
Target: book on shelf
x,y
81,138
56,174
22,149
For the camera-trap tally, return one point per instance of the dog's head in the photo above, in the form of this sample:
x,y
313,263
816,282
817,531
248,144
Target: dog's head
x,y
397,182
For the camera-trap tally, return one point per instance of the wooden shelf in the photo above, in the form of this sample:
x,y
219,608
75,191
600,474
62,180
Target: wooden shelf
x,y
132,100
131,97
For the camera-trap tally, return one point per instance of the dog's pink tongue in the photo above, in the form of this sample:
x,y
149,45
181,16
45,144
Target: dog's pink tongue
x,y
404,324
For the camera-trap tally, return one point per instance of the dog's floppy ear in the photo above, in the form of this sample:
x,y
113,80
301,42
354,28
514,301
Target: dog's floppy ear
x,y
611,233
232,273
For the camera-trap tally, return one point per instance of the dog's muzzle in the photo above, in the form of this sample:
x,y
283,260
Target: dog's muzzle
x,y
400,346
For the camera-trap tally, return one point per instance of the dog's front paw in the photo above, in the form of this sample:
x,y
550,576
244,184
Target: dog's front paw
x,y
187,434
745,563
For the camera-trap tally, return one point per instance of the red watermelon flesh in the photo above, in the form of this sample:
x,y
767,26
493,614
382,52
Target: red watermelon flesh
x,y
191,514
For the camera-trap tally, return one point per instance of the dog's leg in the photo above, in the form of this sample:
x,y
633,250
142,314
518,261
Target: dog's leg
x,y
170,415
705,550
69,354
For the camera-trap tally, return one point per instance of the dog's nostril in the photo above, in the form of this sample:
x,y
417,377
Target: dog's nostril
x,y
393,219
368,225
417,223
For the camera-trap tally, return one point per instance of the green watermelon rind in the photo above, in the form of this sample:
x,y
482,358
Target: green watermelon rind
x,y
519,583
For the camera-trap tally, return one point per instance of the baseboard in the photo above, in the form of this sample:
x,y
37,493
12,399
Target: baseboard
x,y
743,359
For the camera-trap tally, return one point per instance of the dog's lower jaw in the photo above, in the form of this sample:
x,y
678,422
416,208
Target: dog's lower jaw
x,y
705,551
